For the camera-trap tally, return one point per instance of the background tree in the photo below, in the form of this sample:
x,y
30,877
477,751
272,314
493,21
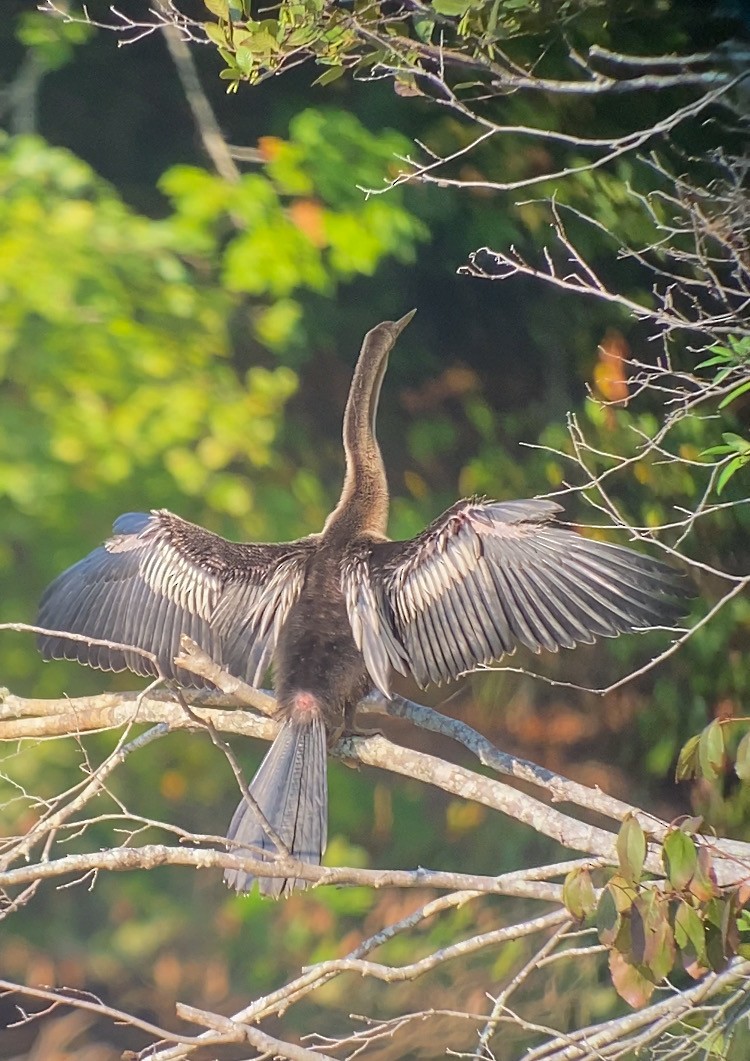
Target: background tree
x,y
152,356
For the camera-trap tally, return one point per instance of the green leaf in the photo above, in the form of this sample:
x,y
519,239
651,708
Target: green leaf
x,y
333,73
717,359
245,59
717,451
742,760
721,933
690,936
216,33
711,751
723,374
740,346
578,893
680,859
623,892
452,7
631,849
638,932
729,471
703,884
737,442
688,759
734,394
220,8
608,918
423,27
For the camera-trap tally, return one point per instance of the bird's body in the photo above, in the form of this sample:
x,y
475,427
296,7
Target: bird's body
x,y
316,653
338,612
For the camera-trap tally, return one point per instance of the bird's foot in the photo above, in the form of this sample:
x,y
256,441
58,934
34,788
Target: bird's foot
x,y
346,732
361,731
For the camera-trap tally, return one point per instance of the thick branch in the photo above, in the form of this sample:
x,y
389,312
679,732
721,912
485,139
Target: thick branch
x,y
521,884
733,859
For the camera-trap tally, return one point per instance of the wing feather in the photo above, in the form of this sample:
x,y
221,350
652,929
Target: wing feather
x,y
159,577
487,576
446,655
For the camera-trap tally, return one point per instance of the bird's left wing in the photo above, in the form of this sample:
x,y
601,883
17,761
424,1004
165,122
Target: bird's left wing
x,y
487,576
159,577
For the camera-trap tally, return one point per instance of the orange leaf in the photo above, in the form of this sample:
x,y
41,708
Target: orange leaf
x,y
610,378
307,215
270,147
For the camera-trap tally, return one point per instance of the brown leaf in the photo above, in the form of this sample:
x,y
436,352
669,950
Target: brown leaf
x,y
629,983
659,953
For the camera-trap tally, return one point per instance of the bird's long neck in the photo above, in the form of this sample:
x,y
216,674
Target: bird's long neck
x,y
363,505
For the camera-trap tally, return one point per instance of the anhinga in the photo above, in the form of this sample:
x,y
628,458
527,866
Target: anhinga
x,y
337,612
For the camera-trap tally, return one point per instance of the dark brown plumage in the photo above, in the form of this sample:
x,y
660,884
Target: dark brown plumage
x,y
337,612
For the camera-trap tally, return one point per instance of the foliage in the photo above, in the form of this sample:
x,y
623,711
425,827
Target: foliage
x,y
647,926
303,223
732,365
51,43
87,282
475,34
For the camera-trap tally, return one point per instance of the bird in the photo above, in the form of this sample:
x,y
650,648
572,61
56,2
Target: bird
x,y
336,614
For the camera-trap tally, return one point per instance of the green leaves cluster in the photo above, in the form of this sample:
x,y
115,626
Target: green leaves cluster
x,y
254,48
96,324
648,926
708,753
360,35
114,358
304,224
120,380
732,365
51,41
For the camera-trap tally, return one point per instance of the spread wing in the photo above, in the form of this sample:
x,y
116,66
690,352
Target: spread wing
x,y
487,576
159,577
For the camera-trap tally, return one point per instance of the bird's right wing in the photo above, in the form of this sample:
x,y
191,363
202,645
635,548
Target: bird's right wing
x,y
487,576
159,577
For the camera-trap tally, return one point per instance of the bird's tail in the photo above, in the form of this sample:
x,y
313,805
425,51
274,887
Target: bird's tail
x,y
291,790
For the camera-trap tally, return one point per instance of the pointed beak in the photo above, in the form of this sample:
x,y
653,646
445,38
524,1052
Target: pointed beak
x,y
398,326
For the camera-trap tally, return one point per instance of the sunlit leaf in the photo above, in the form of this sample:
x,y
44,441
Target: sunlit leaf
x,y
687,761
729,471
711,751
631,849
680,858
333,73
735,393
742,759
689,934
220,8
578,893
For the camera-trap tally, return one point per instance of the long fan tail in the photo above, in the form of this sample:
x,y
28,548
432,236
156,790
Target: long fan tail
x,y
291,790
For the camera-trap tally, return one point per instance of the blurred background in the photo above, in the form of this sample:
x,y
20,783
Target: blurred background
x,y
172,339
